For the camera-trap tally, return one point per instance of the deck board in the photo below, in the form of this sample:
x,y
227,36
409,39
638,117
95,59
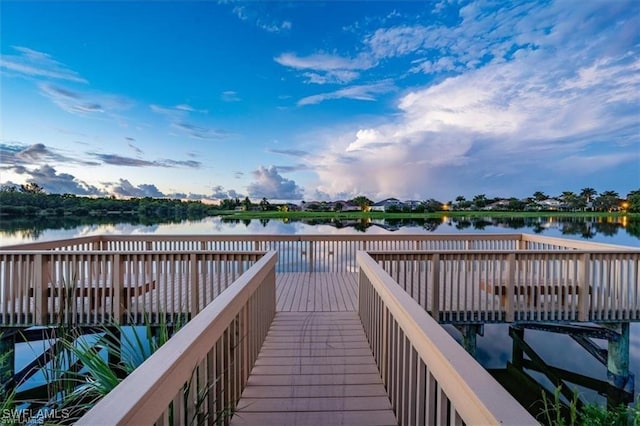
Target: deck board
x,y
316,292
315,368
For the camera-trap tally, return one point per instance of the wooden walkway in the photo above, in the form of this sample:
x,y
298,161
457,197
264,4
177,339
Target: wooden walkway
x,y
316,292
315,368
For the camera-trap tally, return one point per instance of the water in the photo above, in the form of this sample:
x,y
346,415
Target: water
x,y
620,230
494,349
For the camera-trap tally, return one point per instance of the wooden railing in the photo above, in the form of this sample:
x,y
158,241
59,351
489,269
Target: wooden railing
x,y
524,285
429,377
312,253
476,277
198,375
86,287
537,242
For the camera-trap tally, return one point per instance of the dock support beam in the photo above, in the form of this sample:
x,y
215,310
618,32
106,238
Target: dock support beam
x,y
469,336
618,374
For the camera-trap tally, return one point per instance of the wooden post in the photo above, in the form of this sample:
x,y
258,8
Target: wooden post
x,y
618,358
435,287
517,354
194,285
583,286
118,281
40,291
469,337
510,294
384,358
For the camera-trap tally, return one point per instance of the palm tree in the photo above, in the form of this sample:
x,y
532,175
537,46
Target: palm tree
x,y
246,204
633,201
363,202
607,201
480,200
572,201
264,204
539,196
588,194
32,188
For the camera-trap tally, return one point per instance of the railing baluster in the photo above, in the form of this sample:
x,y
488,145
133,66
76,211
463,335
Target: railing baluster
x,y
435,286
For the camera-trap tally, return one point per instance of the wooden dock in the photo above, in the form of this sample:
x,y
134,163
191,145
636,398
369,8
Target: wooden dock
x,y
315,368
316,292
316,329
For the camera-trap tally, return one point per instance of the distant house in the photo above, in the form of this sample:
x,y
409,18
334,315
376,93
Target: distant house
x,y
550,204
383,205
497,205
310,205
344,206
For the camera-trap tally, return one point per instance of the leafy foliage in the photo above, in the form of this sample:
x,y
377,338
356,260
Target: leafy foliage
x,y
554,412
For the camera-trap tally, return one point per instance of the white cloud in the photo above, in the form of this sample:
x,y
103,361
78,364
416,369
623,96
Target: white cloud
x,y
323,62
274,27
124,188
230,96
365,92
324,68
33,63
331,77
542,113
268,183
59,183
249,13
83,102
397,41
179,120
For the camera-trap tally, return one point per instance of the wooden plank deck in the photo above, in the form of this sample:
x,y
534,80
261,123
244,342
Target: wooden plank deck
x,y
315,368
316,292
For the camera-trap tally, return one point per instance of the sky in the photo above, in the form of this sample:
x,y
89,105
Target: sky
x,y
312,100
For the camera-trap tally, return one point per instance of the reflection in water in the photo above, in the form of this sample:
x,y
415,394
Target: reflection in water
x,y
31,229
615,230
583,227
580,227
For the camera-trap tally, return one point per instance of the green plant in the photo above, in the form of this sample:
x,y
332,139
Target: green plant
x,y
7,397
80,369
119,351
553,410
588,414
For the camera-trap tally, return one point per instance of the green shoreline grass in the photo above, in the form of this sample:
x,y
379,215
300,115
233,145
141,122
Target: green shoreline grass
x,y
383,215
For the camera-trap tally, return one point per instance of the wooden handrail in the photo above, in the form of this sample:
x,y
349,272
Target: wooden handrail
x,y
519,285
494,293
569,243
474,395
149,389
44,287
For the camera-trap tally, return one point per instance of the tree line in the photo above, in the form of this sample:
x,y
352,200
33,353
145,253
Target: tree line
x,y
30,199
586,199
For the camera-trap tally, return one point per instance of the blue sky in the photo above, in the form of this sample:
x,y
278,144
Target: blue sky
x,y
318,100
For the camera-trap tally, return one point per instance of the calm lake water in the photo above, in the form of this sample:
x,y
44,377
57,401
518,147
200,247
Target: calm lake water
x,y
495,347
